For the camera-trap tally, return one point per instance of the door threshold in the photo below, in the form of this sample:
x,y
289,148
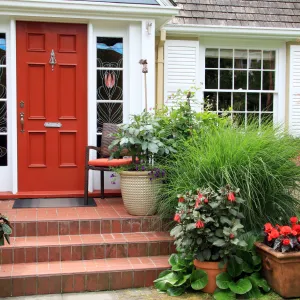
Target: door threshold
x,y
57,194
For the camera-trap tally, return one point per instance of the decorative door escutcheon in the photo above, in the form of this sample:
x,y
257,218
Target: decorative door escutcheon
x,y
22,121
52,60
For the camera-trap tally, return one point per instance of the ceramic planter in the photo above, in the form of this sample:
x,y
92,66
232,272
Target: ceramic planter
x,y
212,270
139,193
282,271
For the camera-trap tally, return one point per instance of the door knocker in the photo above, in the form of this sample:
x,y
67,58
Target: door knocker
x,y
52,60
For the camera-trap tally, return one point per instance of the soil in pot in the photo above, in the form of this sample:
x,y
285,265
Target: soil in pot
x,y
212,269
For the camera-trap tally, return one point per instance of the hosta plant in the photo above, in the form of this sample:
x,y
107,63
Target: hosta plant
x,y
209,223
181,276
242,279
5,230
284,238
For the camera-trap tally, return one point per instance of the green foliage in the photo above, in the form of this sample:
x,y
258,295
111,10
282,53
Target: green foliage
x,y
242,278
209,223
182,276
5,230
260,162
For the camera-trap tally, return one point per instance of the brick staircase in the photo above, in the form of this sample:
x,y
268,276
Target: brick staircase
x,y
65,250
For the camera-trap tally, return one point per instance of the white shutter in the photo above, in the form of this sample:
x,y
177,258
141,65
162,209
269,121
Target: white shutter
x,y
181,69
294,99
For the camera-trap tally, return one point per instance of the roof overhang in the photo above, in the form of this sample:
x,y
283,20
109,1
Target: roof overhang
x,y
86,10
234,31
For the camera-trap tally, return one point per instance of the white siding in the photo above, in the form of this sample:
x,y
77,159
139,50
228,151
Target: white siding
x,y
181,66
294,104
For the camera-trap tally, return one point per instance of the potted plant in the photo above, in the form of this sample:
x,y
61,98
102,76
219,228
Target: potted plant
x,y
146,142
209,226
280,253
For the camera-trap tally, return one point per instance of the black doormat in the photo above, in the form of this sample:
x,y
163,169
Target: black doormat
x,y
53,202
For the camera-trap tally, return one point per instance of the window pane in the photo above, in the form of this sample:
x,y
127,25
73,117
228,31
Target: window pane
x,y
266,119
210,101
109,113
253,119
225,80
240,80
254,59
2,49
3,150
269,60
239,100
239,119
211,58
224,101
268,81
109,52
240,59
254,80
211,79
253,101
226,58
266,102
3,117
109,85
2,83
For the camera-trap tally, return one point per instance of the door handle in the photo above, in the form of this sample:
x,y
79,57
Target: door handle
x,y
22,121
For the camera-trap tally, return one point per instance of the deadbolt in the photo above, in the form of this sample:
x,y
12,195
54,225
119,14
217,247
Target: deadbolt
x,y
22,104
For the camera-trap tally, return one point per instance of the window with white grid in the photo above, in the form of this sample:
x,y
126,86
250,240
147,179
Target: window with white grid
x,y
241,81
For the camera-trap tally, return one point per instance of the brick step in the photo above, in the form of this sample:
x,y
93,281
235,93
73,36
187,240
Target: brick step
x,y
78,276
86,247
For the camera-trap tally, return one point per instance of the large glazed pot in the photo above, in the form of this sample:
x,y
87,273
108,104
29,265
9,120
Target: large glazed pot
x,y
212,270
282,271
139,193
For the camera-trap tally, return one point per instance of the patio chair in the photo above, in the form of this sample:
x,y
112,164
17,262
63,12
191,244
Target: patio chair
x,y
103,163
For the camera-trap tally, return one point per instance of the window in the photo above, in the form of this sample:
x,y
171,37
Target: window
x,y
109,82
243,80
3,102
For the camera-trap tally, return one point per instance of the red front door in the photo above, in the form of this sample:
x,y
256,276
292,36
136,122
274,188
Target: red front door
x,y
52,105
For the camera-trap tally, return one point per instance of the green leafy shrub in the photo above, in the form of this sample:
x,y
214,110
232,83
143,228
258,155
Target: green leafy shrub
x,y
209,223
5,230
261,163
182,276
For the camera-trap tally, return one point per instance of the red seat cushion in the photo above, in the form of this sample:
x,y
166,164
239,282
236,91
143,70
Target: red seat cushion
x,y
105,162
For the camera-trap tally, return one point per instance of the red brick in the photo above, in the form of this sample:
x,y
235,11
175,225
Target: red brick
x,y
150,276
143,249
99,251
106,226
95,227
30,254
88,252
42,228
145,225
53,228
67,284
64,228
136,225
43,285
54,253
126,226
116,226
164,248
6,287
77,252
31,229
139,279
172,247
115,280
133,249
42,254
7,256
103,282
85,227
66,253
122,250
127,279
155,224
30,286
111,251
19,255
74,227
20,229
18,288
153,249
92,282
79,282
54,284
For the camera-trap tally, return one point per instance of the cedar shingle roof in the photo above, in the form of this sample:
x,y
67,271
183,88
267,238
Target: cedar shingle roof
x,y
248,13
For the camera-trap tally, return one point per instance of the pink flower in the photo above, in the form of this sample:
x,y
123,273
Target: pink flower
x,y
177,218
109,80
231,197
199,224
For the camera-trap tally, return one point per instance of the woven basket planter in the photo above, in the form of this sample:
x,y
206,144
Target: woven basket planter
x,y
139,193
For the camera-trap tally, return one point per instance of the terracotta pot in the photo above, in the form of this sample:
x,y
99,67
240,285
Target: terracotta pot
x,y
212,270
282,271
